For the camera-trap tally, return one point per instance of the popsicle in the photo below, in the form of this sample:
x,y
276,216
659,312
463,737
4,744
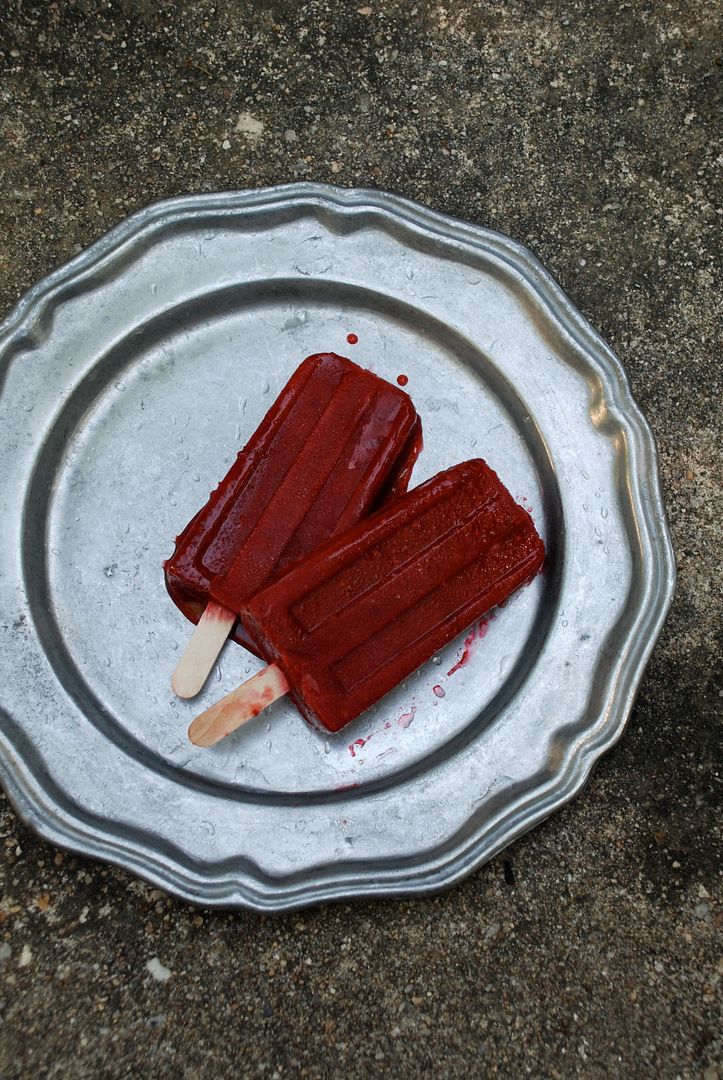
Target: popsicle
x,y
337,440
359,615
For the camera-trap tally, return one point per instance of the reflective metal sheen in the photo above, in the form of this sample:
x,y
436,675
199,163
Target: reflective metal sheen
x,y
128,380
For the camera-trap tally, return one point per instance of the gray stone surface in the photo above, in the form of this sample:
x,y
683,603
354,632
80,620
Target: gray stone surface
x,y
586,131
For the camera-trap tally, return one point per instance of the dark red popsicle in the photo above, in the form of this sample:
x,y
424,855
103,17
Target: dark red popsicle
x,y
359,615
335,443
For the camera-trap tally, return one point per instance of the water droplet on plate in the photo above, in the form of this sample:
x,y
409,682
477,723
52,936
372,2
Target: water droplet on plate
x,y
196,477
437,660
174,645
603,511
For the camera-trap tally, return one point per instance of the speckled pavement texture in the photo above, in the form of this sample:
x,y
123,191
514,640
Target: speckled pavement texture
x,y
585,130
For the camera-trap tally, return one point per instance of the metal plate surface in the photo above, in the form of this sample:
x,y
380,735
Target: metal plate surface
x,y
129,379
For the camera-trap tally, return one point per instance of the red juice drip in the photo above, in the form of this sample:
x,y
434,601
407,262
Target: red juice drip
x,y
402,380
406,718
476,634
352,339
403,721
438,691
358,744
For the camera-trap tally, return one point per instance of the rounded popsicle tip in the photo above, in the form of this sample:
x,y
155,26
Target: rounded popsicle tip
x,y
203,732
186,684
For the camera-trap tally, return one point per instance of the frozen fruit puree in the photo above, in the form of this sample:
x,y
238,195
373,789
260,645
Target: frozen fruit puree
x,y
337,442
360,614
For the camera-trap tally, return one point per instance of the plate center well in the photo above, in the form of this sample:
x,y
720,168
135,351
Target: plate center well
x,y
135,452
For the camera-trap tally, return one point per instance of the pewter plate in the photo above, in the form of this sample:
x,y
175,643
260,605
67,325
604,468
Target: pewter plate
x,y
129,379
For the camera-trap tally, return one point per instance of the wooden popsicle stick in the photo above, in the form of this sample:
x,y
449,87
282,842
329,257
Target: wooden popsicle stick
x,y
243,703
206,643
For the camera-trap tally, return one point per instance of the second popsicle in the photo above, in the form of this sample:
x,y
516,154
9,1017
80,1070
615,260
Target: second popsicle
x,y
362,613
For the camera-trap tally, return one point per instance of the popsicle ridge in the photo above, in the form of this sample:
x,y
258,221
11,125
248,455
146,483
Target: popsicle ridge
x,y
344,479
270,466
369,572
266,548
371,654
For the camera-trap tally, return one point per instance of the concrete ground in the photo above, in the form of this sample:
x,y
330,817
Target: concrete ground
x,y
585,130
